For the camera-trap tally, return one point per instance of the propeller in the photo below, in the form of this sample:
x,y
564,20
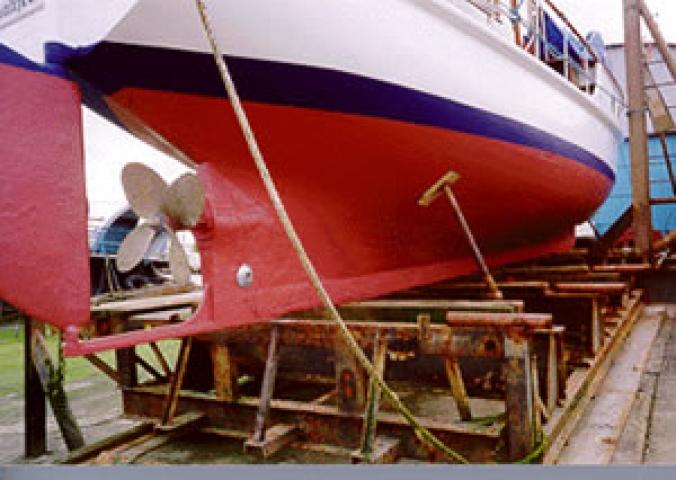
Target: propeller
x,y
160,207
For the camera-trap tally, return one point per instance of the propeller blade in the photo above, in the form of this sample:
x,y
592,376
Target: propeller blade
x,y
178,261
143,188
134,246
184,200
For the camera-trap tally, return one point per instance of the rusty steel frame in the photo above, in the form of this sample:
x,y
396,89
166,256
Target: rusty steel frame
x,y
320,423
583,315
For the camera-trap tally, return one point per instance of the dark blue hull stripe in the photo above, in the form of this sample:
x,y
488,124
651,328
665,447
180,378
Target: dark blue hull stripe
x,y
10,57
111,66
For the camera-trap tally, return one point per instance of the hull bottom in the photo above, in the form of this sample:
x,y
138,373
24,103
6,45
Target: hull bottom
x,y
351,185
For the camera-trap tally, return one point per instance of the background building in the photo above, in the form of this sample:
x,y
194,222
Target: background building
x,y
664,216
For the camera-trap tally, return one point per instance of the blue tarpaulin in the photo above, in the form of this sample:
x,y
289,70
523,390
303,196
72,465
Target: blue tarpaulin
x,y
556,36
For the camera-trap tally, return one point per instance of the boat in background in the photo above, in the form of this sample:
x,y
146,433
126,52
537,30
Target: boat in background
x,y
358,107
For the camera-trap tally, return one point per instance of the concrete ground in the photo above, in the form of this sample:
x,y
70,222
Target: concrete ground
x,y
632,417
631,420
95,403
660,438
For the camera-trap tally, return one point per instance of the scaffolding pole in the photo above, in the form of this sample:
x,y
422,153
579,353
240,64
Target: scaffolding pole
x,y
638,135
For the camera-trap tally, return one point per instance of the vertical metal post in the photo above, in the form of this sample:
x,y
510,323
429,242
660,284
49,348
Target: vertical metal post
x,y
566,60
638,137
35,420
368,438
268,386
519,398
515,23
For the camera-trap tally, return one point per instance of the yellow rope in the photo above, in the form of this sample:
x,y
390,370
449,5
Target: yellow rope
x,y
420,431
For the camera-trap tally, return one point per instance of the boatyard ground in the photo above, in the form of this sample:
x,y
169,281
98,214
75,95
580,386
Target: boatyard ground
x,y
645,434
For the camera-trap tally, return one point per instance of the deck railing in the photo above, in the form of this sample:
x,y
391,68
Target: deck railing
x,y
537,43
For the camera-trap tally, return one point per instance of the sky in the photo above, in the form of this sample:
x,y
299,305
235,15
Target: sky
x,y
108,149
606,16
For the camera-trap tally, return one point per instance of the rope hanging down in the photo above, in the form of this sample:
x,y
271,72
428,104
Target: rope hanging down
x,y
421,432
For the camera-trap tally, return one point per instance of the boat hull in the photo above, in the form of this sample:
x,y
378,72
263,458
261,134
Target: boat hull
x,y
354,129
351,185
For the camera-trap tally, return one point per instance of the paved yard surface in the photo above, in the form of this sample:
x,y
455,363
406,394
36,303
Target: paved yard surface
x,y
661,439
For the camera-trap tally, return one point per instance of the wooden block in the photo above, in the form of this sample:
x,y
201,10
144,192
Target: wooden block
x,y
385,450
275,438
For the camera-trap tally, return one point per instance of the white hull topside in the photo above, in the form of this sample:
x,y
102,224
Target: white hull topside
x,y
444,48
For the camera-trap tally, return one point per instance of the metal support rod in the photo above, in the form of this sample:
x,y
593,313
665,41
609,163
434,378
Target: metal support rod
x,y
661,43
516,25
458,390
268,386
368,438
35,411
638,136
490,281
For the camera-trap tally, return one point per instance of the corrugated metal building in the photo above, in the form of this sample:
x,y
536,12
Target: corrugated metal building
x,y
664,216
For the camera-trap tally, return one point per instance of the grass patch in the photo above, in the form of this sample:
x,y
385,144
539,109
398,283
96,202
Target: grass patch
x,y
77,368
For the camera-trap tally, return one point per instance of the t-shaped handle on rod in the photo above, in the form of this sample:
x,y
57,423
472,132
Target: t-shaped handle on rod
x,y
443,185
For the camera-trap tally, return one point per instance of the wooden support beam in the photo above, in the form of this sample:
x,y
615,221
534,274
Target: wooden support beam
x,y
458,388
661,43
638,136
607,288
171,400
662,200
160,358
104,367
70,431
35,409
596,327
125,360
368,435
88,451
225,372
624,268
148,367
